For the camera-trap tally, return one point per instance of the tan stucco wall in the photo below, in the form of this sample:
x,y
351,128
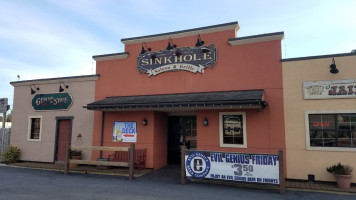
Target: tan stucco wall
x,y
82,93
300,161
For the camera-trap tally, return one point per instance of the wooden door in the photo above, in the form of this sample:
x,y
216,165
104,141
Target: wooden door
x,y
64,136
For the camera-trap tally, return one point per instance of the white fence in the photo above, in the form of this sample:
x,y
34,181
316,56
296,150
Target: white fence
x,y
5,134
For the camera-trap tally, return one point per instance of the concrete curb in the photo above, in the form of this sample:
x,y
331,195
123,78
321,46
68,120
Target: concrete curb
x,y
74,171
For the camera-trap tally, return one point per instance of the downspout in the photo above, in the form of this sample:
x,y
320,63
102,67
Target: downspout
x,y
102,132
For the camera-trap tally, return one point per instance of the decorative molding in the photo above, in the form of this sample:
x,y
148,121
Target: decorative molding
x,y
113,56
257,38
56,80
184,33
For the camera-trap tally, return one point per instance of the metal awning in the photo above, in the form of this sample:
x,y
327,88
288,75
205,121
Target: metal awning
x,y
207,100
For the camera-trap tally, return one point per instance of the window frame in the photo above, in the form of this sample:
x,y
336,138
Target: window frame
x,y
307,131
30,128
244,130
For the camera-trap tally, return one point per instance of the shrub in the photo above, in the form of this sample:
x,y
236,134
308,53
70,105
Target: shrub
x,y
340,169
11,155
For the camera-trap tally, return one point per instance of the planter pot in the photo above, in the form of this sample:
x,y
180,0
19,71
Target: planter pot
x,y
343,181
72,165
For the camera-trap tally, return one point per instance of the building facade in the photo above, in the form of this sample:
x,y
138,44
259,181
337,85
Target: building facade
x,y
320,114
207,89
48,114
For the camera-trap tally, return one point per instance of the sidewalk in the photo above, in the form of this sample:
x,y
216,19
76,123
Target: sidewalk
x,y
81,169
290,184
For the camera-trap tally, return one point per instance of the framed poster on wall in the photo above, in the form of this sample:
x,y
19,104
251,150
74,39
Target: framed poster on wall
x,y
124,132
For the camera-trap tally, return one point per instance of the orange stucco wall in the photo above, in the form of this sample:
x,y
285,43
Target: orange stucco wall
x,y
240,67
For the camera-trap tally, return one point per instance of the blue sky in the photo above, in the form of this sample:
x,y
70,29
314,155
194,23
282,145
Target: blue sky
x,y
56,38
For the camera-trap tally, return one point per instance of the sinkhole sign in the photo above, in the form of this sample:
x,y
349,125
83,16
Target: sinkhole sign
x,y
255,168
194,60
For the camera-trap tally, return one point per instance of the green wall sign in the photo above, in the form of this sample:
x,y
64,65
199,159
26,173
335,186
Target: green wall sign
x,y
54,101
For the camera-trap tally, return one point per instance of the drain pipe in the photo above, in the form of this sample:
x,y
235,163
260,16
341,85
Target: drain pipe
x,y
102,132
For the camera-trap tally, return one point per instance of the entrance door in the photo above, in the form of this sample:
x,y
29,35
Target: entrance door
x,y
64,136
181,131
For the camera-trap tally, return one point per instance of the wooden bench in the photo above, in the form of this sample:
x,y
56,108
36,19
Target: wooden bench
x,y
127,163
124,156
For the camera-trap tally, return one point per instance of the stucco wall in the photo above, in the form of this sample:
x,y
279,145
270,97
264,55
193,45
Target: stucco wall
x,y
153,136
82,93
301,161
240,67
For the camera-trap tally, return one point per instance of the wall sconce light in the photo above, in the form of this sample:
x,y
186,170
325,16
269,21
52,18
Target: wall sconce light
x,y
178,53
33,91
153,56
143,50
199,42
60,86
170,44
205,122
205,50
333,68
144,122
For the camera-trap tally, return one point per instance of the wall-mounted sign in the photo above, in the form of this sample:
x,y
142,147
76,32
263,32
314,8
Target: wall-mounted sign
x,y
124,132
53,101
330,89
254,168
178,59
3,105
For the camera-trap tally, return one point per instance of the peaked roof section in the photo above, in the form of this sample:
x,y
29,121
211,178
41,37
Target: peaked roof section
x,y
256,38
93,77
228,99
183,33
193,32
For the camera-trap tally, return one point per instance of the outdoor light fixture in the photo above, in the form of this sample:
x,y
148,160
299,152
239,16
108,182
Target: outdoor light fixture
x,y
33,91
178,53
153,56
333,68
199,42
205,50
144,122
170,44
205,122
143,50
60,86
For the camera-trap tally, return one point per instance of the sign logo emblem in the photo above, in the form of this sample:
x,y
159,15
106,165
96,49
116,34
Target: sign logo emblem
x,y
198,165
195,60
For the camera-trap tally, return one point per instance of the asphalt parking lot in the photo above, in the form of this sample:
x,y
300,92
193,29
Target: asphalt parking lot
x,y
25,183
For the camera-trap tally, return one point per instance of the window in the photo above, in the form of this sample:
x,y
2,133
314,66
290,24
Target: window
x,y
190,129
34,128
332,130
233,129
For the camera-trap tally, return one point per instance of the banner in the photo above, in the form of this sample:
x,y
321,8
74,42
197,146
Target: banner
x,y
124,132
254,168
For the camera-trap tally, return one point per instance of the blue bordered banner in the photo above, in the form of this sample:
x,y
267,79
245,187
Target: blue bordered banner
x,y
241,167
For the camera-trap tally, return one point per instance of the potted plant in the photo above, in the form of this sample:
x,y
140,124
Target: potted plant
x,y
342,174
75,155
